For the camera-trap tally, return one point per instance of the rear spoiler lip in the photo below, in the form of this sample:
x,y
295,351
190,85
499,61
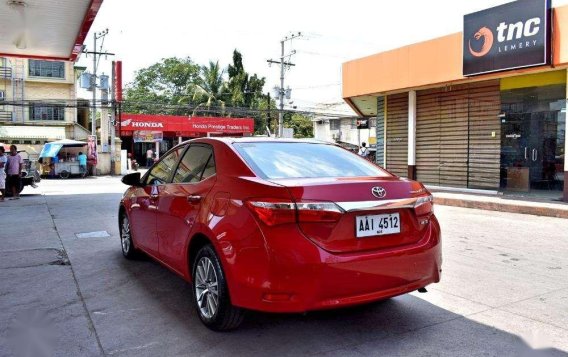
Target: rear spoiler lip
x,y
399,203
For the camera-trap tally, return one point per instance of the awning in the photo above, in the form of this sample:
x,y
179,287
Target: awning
x,y
47,29
50,150
32,132
53,148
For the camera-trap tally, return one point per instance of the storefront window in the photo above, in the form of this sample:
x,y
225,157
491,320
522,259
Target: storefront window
x,y
533,132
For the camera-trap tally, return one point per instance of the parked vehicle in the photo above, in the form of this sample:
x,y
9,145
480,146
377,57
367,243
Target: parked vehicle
x,y
280,226
30,174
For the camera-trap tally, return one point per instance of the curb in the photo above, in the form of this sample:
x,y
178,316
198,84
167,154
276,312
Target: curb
x,y
558,212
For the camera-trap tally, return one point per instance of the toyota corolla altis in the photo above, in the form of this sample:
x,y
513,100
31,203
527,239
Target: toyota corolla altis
x,y
280,226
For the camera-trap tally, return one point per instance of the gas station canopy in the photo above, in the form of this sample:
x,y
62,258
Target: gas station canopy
x,y
46,29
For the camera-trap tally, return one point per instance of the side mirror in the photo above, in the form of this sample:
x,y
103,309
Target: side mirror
x,y
132,179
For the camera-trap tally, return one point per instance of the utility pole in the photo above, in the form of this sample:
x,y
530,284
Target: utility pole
x,y
268,118
112,121
93,85
96,55
281,90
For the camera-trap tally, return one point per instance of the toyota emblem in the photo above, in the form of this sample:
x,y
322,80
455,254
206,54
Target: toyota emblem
x,y
379,192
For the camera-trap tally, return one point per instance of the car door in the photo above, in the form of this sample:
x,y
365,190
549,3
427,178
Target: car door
x,y
180,202
143,213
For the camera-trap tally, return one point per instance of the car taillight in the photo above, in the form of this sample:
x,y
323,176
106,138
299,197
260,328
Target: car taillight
x,y
318,212
424,205
276,211
273,212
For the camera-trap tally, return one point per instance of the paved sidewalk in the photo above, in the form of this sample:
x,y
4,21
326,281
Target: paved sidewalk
x,y
502,204
42,310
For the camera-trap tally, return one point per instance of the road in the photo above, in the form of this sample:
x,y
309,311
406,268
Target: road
x,y
504,291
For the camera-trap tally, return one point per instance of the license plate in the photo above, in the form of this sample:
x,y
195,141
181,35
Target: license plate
x,y
377,225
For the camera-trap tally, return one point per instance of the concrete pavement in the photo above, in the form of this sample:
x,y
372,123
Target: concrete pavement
x,y
526,205
504,291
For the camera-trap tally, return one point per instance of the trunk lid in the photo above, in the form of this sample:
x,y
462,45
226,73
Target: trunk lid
x,y
390,210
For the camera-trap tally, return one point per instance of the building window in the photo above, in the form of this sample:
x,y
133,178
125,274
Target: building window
x,y
2,95
353,123
52,69
334,124
47,113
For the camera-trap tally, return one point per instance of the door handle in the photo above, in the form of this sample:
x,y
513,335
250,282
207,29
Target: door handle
x,y
526,153
535,154
193,198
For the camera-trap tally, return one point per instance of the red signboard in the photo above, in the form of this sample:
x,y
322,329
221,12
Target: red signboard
x,y
186,126
118,81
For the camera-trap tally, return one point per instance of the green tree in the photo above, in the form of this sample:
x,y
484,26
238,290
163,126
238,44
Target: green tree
x,y
161,85
179,86
210,87
302,125
246,91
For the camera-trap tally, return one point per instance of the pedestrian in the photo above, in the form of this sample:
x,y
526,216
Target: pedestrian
x,y
82,163
363,151
3,161
14,178
149,158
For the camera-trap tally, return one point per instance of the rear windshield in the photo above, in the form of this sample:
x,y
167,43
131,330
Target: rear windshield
x,y
279,160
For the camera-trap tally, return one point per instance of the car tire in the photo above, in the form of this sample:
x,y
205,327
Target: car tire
x,y
64,174
211,294
126,241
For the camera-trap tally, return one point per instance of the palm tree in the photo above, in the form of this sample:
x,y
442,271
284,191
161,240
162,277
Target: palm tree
x,y
210,87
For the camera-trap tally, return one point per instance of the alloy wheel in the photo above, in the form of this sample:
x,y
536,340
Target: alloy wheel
x,y
206,288
125,237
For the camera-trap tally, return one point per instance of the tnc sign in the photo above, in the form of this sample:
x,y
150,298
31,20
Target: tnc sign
x,y
518,29
509,36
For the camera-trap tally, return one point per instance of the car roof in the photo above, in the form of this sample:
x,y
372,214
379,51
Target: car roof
x,y
253,139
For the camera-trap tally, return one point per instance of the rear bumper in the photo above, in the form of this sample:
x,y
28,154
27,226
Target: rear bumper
x,y
301,277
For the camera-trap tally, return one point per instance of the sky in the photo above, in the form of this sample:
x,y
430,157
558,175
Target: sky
x,y
142,32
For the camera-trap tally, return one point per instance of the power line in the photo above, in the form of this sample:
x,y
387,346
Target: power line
x,y
158,106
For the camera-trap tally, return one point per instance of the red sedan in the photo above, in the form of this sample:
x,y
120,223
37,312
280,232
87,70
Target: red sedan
x,y
280,226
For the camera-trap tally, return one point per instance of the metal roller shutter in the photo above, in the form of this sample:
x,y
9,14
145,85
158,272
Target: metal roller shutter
x,y
428,136
484,135
380,128
453,137
457,135
397,134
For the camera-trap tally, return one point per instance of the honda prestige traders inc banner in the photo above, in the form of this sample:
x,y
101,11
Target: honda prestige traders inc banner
x,y
147,126
512,35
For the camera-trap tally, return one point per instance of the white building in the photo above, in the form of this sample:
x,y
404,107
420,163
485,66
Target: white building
x,y
343,130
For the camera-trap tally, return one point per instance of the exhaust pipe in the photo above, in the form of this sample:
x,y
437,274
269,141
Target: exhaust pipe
x,y
422,290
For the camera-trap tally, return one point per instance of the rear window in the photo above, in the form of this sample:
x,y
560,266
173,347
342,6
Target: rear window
x,y
304,160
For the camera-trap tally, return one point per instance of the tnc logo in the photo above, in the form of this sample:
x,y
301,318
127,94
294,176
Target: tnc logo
x,y
379,192
487,42
505,32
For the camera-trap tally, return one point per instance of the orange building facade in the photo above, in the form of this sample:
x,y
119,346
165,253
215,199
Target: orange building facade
x,y
498,129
